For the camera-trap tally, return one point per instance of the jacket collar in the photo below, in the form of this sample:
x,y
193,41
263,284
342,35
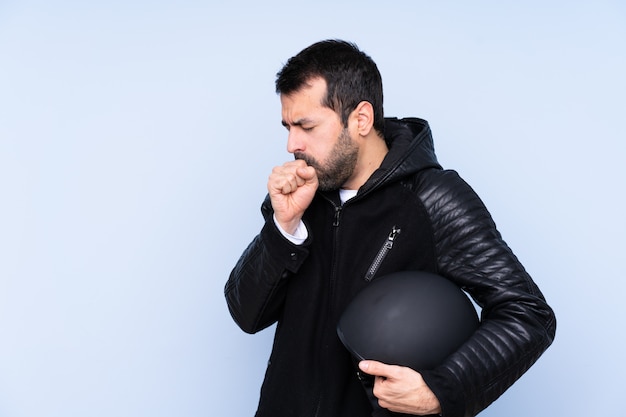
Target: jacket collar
x,y
411,149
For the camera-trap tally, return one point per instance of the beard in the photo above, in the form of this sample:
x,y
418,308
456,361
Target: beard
x,y
339,166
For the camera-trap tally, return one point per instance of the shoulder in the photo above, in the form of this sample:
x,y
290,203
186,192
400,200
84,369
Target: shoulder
x,y
454,208
438,188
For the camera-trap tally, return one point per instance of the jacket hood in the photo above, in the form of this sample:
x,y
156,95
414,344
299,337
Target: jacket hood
x,y
411,149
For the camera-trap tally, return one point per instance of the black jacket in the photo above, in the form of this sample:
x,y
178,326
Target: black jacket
x,y
445,229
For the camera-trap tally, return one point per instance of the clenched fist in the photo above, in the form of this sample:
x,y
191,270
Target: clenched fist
x,y
291,187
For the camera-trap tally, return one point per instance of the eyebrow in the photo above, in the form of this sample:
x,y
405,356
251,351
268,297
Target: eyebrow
x,y
298,122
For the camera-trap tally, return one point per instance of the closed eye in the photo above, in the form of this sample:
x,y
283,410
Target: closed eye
x,y
304,124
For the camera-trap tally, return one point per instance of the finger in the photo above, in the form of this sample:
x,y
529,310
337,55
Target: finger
x,y
298,171
295,164
376,368
307,173
290,183
300,180
285,180
287,188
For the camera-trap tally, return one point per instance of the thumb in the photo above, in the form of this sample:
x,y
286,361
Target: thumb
x,y
307,173
374,368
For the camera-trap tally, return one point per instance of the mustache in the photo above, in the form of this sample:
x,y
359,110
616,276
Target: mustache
x,y
310,161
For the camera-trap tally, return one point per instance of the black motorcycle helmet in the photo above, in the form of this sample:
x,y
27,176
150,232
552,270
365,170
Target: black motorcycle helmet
x,y
409,318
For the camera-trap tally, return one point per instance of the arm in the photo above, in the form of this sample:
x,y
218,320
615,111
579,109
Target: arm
x,y
256,287
517,325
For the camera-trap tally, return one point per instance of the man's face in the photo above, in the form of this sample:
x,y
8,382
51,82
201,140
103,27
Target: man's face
x,y
317,136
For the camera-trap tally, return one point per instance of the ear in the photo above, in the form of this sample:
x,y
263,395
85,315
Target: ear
x,y
364,114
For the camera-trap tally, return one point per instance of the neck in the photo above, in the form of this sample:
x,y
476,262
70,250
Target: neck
x,y
371,155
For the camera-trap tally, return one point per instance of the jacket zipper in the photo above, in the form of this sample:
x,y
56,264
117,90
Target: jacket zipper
x,y
336,218
382,253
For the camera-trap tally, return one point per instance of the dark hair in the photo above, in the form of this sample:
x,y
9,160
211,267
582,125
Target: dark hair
x,y
351,77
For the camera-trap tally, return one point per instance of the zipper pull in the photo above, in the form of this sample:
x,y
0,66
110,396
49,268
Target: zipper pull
x,y
382,253
392,236
336,218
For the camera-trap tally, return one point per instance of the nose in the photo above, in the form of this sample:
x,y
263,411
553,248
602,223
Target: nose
x,y
295,143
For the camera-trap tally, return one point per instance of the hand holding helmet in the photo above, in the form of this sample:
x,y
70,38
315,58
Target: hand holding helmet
x,y
400,324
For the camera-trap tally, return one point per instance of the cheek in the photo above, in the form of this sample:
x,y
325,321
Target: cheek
x,y
319,145
327,138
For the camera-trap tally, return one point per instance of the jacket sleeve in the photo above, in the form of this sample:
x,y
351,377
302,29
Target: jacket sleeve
x,y
256,288
517,325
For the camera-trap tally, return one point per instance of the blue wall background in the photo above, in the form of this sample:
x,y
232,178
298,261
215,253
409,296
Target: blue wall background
x,y
136,138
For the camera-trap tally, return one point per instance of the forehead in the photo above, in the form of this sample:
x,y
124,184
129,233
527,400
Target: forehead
x,y
305,102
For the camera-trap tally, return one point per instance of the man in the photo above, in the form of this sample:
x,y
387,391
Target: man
x,y
359,180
